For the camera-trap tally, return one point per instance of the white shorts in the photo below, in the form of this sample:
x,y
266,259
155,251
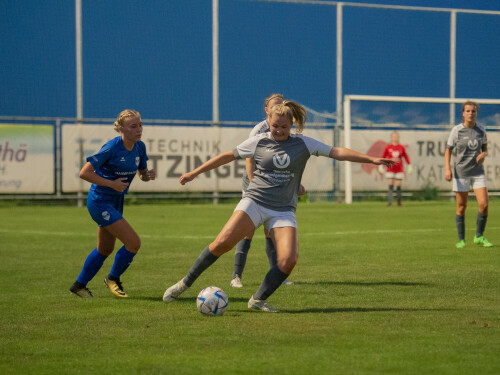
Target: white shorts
x,y
270,218
464,184
396,176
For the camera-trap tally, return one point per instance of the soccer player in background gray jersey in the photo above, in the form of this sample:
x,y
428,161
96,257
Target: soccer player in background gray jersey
x,y
469,144
243,247
271,197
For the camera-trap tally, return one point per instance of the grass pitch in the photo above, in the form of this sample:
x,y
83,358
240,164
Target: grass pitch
x,y
377,291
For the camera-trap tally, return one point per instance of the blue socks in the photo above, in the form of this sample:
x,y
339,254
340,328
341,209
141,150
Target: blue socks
x,y
92,265
123,259
95,260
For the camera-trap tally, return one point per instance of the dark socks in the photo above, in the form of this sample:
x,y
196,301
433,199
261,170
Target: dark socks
x,y
398,194
271,282
480,224
389,194
205,260
92,265
271,253
240,256
460,222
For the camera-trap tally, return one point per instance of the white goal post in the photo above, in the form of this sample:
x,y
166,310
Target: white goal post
x,y
374,98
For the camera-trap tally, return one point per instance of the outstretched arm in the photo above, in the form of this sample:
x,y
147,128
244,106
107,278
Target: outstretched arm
x,y
346,154
216,161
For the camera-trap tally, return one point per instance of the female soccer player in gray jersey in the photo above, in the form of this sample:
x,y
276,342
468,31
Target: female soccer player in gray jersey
x,y
469,143
243,247
271,197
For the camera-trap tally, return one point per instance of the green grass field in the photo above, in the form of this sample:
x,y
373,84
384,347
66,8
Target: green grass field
x,y
377,291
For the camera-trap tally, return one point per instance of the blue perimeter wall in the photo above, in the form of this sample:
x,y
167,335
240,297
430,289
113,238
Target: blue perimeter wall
x,y
156,56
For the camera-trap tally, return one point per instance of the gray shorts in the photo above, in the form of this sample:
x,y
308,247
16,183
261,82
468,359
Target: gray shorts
x,y
270,218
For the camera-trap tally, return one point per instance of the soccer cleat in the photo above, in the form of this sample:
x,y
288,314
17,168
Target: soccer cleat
x,y
236,283
482,241
460,244
115,286
399,204
287,282
262,305
80,292
174,291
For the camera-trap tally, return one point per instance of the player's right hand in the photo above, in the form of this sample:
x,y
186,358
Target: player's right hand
x,y
381,169
120,184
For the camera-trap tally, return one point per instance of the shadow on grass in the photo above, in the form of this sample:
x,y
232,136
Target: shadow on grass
x,y
361,310
363,283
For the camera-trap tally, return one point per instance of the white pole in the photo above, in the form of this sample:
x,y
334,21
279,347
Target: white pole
x,y
79,69
339,63
347,144
453,49
79,90
215,80
215,61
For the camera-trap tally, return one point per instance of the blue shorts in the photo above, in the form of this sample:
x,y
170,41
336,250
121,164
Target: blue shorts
x,y
105,209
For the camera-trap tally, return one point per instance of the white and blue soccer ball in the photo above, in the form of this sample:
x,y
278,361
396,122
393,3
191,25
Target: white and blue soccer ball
x,y
212,301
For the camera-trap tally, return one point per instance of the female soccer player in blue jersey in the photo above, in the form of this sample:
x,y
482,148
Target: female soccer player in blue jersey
x,y
243,247
271,197
469,144
111,171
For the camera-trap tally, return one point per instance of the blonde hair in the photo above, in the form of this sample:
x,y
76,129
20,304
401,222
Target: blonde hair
x,y
294,112
272,97
125,114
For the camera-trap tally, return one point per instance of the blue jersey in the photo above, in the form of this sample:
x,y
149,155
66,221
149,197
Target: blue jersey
x,y
114,161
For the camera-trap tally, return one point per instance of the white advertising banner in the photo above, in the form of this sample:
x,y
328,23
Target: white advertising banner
x,y
174,150
27,159
426,152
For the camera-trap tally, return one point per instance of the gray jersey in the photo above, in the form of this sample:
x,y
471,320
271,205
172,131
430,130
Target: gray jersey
x,y
467,144
261,127
278,168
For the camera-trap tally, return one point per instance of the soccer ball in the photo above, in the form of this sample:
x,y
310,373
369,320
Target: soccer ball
x,y
212,301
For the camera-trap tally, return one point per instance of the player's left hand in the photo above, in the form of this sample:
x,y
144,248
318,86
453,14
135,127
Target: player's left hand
x,y
151,174
410,168
302,190
480,158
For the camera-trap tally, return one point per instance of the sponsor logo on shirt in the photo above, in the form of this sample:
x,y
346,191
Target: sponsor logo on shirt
x,y
122,159
281,162
473,144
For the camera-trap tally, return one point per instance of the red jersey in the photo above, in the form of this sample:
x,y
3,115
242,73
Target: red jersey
x,y
396,153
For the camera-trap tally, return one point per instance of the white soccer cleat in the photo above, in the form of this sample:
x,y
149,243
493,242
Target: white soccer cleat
x,y
236,283
287,282
262,305
174,291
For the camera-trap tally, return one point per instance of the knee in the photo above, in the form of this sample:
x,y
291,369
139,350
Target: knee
x,y
483,208
221,246
461,209
133,245
286,265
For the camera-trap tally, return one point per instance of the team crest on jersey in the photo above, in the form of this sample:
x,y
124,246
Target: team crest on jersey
x,y
473,144
395,153
122,159
281,161
137,161
106,215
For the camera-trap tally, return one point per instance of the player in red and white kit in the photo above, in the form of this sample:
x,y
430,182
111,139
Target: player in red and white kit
x,y
396,152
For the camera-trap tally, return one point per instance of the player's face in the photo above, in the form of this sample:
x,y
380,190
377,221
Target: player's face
x,y
132,129
280,127
470,114
395,138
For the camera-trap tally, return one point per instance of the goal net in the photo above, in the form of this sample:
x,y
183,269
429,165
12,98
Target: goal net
x,y
423,124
